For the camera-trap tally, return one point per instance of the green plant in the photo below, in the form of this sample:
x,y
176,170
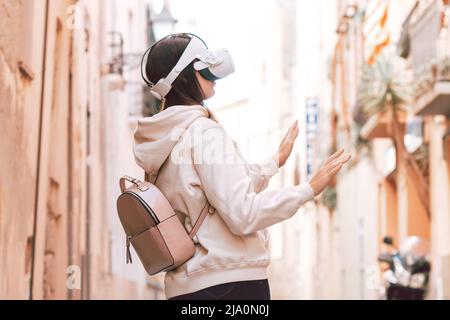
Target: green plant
x,y
424,78
444,68
329,198
387,78
421,156
359,142
387,86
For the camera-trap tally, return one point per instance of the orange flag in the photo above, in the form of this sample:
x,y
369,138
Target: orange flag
x,y
375,30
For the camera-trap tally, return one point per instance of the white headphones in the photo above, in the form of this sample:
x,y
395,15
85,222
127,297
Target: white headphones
x,y
211,65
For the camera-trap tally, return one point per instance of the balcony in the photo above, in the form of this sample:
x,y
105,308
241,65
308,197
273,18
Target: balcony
x,y
379,126
435,101
426,43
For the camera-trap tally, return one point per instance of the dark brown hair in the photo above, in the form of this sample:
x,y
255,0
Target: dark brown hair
x,y
162,58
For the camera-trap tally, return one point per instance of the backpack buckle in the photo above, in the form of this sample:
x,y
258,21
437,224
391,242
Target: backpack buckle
x,y
141,186
138,183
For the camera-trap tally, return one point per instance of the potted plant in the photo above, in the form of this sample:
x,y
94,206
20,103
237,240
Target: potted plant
x,y
384,95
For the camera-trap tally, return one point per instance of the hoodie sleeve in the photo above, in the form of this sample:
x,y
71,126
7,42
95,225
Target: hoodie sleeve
x,y
229,188
260,173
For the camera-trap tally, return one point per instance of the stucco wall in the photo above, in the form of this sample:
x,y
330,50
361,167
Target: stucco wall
x,y
58,223
19,128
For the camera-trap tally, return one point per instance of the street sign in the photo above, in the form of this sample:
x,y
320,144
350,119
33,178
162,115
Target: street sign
x,y
312,124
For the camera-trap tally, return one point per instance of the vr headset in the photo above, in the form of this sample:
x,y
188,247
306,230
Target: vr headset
x,y
212,65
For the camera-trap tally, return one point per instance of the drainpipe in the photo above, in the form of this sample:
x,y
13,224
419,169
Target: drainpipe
x,y
87,261
36,196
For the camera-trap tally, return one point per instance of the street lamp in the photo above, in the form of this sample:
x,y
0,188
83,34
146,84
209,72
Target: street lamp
x,y
159,26
163,23
350,11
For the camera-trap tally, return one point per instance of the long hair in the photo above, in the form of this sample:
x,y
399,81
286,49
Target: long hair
x,y
162,58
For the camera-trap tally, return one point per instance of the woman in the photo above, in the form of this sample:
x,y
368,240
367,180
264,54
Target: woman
x,y
190,157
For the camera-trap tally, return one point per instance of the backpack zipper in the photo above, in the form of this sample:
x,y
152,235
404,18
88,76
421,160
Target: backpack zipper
x,y
149,210
152,215
129,260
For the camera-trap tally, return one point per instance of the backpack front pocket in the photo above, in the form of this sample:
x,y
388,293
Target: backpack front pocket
x,y
152,250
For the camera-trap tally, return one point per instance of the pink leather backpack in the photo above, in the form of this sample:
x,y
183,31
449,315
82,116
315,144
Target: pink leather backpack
x,y
153,228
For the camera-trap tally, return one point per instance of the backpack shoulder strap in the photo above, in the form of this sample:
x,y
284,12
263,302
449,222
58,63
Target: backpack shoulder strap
x,y
207,208
147,176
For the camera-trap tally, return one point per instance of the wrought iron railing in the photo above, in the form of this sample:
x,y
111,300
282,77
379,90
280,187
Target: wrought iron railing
x,y
429,37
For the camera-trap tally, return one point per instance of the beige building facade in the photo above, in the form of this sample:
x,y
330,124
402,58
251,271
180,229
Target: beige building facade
x,y
378,194
67,118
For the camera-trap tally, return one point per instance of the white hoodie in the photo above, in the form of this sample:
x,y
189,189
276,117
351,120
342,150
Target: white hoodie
x,y
204,163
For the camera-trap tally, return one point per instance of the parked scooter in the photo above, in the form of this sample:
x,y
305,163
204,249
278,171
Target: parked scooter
x,y
406,272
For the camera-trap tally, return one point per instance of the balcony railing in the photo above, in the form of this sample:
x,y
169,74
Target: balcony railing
x,y
429,42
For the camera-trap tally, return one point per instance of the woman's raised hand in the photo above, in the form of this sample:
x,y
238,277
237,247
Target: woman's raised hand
x,y
287,144
328,170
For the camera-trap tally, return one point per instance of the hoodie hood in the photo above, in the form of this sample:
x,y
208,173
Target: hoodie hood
x,y
154,138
